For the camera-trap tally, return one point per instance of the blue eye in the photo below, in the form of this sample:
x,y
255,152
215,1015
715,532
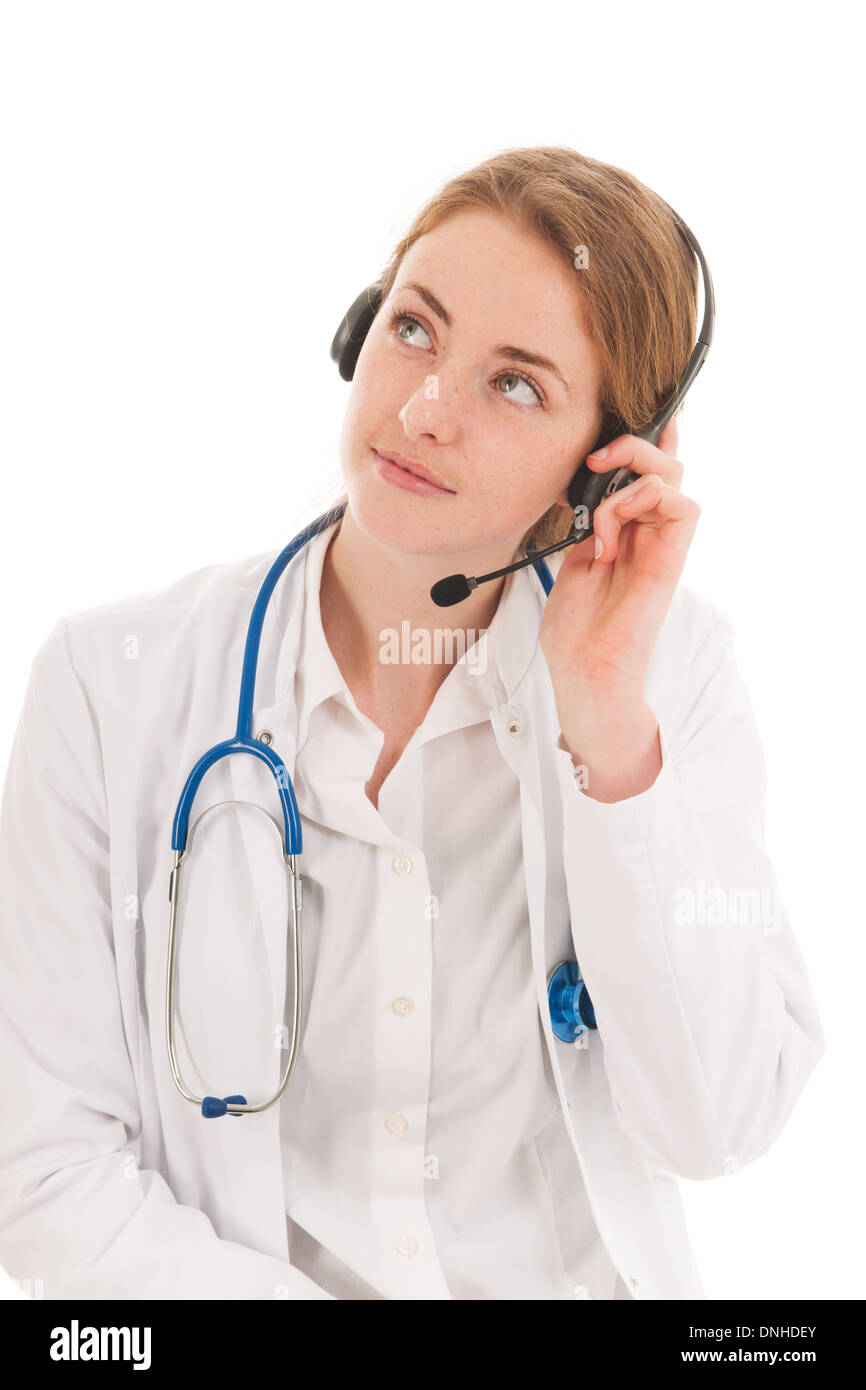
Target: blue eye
x,y
397,320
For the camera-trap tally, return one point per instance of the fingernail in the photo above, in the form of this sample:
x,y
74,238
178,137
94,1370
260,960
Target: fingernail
x,y
599,453
599,546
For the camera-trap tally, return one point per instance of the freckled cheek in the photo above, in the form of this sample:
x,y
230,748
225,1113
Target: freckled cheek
x,y
364,421
513,491
374,386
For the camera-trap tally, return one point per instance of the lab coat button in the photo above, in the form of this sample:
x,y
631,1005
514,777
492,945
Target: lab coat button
x,y
402,865
402,1005
396,1124
265,736
407,1245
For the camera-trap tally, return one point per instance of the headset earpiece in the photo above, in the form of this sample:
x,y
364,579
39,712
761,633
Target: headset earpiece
x,y
349,337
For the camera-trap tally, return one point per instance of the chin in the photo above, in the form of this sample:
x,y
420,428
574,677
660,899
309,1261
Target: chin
x,y
400,521
395,522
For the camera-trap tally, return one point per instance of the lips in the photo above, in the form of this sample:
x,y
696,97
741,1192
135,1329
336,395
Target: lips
x,y
417,469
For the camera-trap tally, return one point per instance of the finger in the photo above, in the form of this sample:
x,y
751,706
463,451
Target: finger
x,y
650,502
670,436
639,456
580,555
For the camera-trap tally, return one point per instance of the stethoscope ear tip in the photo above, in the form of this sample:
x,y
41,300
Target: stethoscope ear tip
x,y
212,1107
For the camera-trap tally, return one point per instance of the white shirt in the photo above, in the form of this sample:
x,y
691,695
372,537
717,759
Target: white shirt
x,y
409,1126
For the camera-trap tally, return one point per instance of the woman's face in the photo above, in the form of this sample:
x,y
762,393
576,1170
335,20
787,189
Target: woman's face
x,y
440,387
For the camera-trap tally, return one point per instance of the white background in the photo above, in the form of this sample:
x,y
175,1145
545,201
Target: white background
x,y
194,193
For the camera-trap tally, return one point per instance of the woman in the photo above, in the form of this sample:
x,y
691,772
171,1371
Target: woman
x,y
583,783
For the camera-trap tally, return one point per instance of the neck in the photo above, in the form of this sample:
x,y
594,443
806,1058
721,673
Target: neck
x,y
368,588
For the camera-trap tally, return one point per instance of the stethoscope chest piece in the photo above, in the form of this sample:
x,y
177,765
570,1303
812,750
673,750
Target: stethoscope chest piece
x,y
571,1011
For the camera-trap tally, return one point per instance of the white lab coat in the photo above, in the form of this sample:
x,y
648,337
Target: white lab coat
x,y
114,1186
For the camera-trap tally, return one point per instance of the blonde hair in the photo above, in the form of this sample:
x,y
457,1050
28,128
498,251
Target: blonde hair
x,y
638,287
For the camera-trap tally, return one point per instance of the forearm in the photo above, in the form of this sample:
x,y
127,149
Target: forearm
x,y
93,1232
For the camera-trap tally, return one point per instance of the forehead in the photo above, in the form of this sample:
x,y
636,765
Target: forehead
x,y
503,282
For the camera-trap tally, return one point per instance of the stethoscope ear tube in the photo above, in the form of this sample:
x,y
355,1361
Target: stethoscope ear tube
x,y
213,1107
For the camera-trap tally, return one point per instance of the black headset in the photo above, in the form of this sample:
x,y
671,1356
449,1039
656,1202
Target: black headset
x,y
588,487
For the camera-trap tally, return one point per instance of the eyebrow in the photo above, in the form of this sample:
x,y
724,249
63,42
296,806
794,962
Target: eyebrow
x,y
515,354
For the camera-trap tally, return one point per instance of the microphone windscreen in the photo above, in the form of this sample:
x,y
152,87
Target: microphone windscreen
x,y
454,589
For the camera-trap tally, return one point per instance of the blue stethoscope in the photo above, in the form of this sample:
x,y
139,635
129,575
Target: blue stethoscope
x,y
571,1011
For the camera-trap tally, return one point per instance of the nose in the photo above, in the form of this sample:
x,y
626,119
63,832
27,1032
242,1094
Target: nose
x,y
433,409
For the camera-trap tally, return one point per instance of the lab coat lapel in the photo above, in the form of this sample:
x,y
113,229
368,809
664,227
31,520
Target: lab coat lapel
x,y
250,1195
616,1177
252,781
523,729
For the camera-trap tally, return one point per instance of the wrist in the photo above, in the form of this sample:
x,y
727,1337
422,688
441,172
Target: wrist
x,y
616,748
